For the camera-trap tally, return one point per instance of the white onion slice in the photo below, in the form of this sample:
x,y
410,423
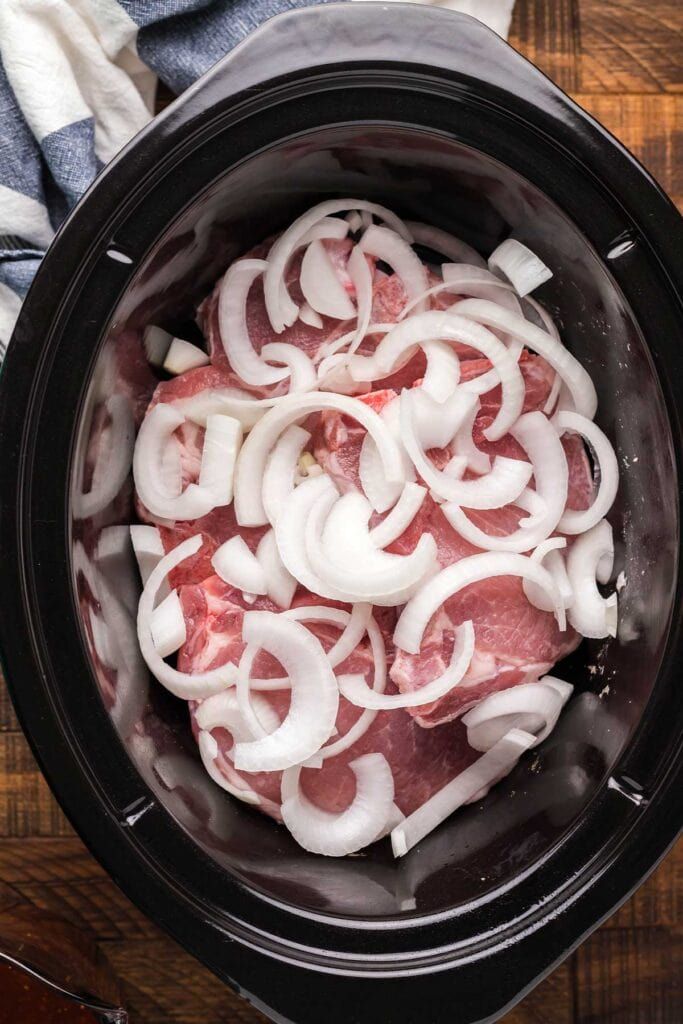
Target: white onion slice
x,y
291,528
252,460
534,432
208,751
444,244
571,371
354,220
466,280
356,690
378,490
333,375
591,559
183,356
326,229
303,376
281,469
315,696
282,311
148,548
548,555
156,342
519,265
320,284
157,428
238,566
280,584
113,460
443,370
491,767
463,444
361,276
337,835
309,317
436,423
532,707
222,442
419,610
400,517
189,686
388,246
233,328
167,625
573,521
222,711
446,326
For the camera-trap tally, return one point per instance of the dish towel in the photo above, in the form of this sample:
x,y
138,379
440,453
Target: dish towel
x,y
78,80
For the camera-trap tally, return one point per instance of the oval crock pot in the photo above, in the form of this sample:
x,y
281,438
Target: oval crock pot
x,y
432,114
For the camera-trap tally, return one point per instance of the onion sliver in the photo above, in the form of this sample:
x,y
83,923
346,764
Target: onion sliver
x,y
591,559
208,751
253,456
537,436
303,376
113,460
388,246
238,566
519,265
400,517
336,835
444,244
435,325
463,444
291,528
315,696
419,610
355,689
222,712
548,555
222,442
321,287
380,493
233,327
282,311
183,356
189,686
326,229
443,370
491,767
157,428
436,423
280,584
574,521
361,276
532,707
167,625
149,549
571,371
281,469
310,317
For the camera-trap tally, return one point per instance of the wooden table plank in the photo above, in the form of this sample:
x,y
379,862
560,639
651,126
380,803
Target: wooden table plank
x,y
547,32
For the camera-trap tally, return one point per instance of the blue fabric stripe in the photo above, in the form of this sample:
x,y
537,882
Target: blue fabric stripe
x,y
17,269
70,155
20,164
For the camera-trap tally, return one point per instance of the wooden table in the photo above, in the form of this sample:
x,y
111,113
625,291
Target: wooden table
x,y
622,61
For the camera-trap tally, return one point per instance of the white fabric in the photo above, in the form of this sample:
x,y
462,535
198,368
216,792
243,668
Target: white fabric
x,y
23,216
10,304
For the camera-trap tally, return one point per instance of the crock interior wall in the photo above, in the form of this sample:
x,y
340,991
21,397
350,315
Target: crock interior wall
x,y
424,177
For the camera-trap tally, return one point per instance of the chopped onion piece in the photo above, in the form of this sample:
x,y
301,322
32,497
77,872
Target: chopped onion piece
x,y
308,316
281,469
388,246
443,370
574,521
519,265
315,696
148,548
400,517
336,835
189,686
156,342
444,244
548,555
356,690
591,559
437,423
354,220
208,751
321,286
491,767
167,625
301,369
238,566
532,707
361,276
280,584
157,428
222,442
454,578
233,326
463,444
183,356
253,456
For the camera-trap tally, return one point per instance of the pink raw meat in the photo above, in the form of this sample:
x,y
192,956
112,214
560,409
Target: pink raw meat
x,y
422,762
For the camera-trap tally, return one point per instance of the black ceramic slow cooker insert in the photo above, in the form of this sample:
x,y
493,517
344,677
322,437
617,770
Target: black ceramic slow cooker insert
x,y
431,114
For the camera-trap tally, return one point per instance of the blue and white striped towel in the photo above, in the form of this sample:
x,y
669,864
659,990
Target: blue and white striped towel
x,y
77,81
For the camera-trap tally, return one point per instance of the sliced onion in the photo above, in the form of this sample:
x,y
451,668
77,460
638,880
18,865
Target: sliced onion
x,y
148,547
290,532
310,317
463,444
333,375
446,326
233,328
388,246
519,265
378,490
321,286
443,370
167,625
113,460
315,696
591,560
301,369
234,402
491,767
326,229
252,460
157,428
282,311
361,276
536,435
354,221
222,442
454,578
281,470
467,280
548,555
400,517
532,707
238,566
356,690
156,342
189,686
183,356
222,712
436,423
444,244
574,521
336,835
280,584
208,751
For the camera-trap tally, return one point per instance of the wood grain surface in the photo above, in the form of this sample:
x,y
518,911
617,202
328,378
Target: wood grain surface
x,y
623,62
